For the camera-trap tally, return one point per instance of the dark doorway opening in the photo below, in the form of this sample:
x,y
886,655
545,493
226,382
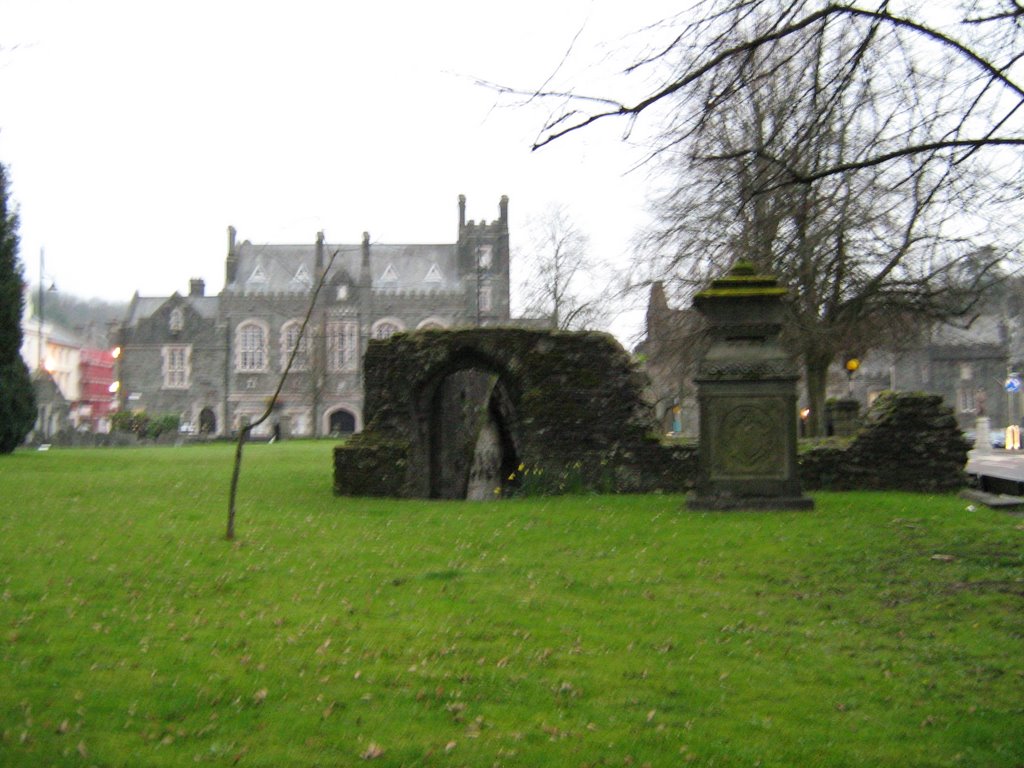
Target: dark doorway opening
x,y
342,423
207,422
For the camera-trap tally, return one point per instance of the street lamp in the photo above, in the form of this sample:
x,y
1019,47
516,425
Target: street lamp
x,y
852,364
42,310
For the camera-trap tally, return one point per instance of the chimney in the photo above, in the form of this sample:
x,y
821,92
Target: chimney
x,y
231,262
196,287
365,278
462,212
319,254
503,210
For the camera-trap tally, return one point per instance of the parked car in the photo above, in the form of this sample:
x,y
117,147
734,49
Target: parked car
x,y
997,437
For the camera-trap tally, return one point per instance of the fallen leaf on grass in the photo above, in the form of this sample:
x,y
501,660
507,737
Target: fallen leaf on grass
x,y
944,558
260,696
373,751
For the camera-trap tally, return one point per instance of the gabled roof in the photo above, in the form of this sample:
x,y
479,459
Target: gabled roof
x,y
283,268
985,329
143,307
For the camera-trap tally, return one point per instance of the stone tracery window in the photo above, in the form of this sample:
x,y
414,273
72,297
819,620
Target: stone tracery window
x,y
252,346
289,340
177,366
342,345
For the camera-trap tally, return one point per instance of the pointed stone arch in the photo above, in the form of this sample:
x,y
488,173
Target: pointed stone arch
x,y
470,429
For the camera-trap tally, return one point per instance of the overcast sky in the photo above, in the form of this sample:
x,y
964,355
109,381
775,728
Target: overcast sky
x,y
136,132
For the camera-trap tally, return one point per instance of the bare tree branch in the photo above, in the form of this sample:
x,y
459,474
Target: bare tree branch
x,y
732,50
245,429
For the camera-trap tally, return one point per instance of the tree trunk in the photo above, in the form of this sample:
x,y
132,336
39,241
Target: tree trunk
x,y
816,375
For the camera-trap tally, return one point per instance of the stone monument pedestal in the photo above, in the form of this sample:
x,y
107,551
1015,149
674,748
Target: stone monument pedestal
x,y
982,434
746,386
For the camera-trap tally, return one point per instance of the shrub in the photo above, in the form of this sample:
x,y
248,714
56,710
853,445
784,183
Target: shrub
x,y
17,405
160,425
139,423
133,422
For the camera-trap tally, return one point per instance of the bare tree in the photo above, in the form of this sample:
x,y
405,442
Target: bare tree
x,y
559,264
864,250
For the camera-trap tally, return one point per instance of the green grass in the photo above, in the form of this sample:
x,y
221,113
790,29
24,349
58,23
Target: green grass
x,y
565,631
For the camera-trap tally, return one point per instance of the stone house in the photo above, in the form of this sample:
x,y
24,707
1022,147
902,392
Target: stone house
x,y
216,360
966,365
171,358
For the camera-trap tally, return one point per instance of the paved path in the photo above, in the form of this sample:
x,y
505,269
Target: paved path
x,y
997,463
997,471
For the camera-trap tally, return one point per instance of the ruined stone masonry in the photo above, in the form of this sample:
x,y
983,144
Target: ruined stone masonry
x,y
483,413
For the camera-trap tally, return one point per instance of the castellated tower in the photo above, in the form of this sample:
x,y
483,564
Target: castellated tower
x,y
483,254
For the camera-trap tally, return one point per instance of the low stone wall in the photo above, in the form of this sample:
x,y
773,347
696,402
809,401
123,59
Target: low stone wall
x,y
371,466
910,442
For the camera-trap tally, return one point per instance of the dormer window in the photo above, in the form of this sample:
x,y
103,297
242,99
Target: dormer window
x,y
258,275
177,320
342,293
302,277
390,275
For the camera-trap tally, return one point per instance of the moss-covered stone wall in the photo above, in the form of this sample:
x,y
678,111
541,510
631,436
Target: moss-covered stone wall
x,y
569,403
910,441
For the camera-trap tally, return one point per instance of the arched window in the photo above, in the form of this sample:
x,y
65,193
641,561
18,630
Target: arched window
x,y
252,346
177,320
432,324
289,340
386,328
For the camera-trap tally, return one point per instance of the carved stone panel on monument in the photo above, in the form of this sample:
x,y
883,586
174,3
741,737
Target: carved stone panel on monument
x,y
749,442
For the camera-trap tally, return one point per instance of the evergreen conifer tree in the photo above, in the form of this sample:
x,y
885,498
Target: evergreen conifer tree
x,y
17,399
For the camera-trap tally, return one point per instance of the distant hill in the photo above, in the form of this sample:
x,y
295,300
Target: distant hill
x,y
88,318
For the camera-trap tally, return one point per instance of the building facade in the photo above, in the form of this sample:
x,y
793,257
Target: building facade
x,y
96,400
216,360
967,366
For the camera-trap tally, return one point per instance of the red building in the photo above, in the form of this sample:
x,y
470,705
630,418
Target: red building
x,y
96,377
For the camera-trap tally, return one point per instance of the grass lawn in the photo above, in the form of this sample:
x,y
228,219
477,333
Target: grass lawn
x,y
877,630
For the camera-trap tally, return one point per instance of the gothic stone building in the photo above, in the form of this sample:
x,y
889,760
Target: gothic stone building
x,y
216,360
